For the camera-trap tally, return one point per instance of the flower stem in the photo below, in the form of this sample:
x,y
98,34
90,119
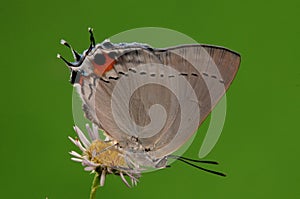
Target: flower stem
x,y
95,185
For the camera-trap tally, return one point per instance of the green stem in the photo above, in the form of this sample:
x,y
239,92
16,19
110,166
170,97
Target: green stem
x,y
95,185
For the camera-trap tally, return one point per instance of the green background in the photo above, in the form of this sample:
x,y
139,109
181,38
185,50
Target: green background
x,y
258,148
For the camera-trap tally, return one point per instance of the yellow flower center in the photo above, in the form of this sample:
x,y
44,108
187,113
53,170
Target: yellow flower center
x,y
106,154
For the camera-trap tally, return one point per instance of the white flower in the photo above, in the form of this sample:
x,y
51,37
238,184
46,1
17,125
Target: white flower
x,y
103,157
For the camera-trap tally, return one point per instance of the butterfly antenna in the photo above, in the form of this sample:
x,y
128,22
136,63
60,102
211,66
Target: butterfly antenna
x,y
193,160
92,38
79,58
92,44
76,55
69,64
203,169
185,160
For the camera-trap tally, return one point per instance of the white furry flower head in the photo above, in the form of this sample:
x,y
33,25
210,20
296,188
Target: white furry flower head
x,y
103,157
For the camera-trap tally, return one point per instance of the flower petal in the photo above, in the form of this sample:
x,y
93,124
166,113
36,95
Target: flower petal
x,y
95,131
86,162
72,140
132,176
89,168
76,159
90,131
75,154
102,178
124,180
82,137
78,144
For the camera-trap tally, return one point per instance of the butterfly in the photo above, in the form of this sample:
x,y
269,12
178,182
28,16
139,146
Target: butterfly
x,y
147,101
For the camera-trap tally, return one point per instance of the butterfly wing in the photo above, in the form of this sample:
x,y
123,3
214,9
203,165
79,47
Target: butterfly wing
x,y
159,96
209,70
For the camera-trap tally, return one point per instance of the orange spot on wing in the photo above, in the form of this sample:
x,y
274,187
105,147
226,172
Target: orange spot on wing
x,y
100,70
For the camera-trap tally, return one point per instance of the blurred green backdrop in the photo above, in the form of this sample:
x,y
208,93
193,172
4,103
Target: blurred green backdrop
x,y
258,148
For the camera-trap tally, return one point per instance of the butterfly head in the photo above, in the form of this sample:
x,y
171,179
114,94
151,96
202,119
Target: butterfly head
x,y
95,61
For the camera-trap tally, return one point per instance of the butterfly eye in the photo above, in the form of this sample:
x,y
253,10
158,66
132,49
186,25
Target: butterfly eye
x,y
112,55
99,59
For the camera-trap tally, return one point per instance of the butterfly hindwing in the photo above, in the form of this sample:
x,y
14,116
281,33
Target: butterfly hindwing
x,y
159,96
